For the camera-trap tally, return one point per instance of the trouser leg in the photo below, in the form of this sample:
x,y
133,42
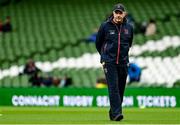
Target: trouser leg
x,y
122,76
111,74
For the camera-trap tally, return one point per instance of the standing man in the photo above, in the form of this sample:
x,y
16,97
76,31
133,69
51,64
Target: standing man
x,y
113,41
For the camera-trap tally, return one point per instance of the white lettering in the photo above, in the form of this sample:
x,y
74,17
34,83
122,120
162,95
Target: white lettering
x,y
83,101
102,101
128,101
140,101
156,101
172,101
35,100
15,100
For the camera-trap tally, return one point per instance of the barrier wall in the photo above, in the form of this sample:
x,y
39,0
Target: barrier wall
x,y
88,97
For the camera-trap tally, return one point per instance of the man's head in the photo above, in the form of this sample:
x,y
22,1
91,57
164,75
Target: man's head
x,y
118,13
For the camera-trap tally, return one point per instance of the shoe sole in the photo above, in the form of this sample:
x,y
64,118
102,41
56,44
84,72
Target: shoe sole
x,y
118,118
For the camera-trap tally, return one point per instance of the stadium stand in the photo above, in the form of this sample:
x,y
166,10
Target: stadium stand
x,y
47,31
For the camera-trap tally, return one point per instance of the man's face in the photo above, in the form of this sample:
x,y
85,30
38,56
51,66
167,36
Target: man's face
x,y
118,16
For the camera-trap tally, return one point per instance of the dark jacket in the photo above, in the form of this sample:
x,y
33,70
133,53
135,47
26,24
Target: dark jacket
x,y
113,42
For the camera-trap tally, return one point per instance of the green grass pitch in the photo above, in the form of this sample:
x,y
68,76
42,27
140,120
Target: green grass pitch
x,y
69,115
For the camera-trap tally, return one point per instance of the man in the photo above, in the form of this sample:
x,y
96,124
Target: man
x,y
113,41
7,27
32,72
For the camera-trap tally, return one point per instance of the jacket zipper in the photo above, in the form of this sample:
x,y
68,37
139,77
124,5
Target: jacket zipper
x,y
104,48
119,42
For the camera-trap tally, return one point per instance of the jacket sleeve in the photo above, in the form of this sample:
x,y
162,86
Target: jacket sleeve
x,y
100,38
131,40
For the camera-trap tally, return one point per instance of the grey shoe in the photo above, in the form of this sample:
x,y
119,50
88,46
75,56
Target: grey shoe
x,y
117,118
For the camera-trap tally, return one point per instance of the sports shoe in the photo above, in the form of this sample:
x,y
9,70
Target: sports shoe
x,y
116,118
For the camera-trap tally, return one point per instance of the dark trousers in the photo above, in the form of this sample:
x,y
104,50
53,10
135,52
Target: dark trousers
x,y
116,79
